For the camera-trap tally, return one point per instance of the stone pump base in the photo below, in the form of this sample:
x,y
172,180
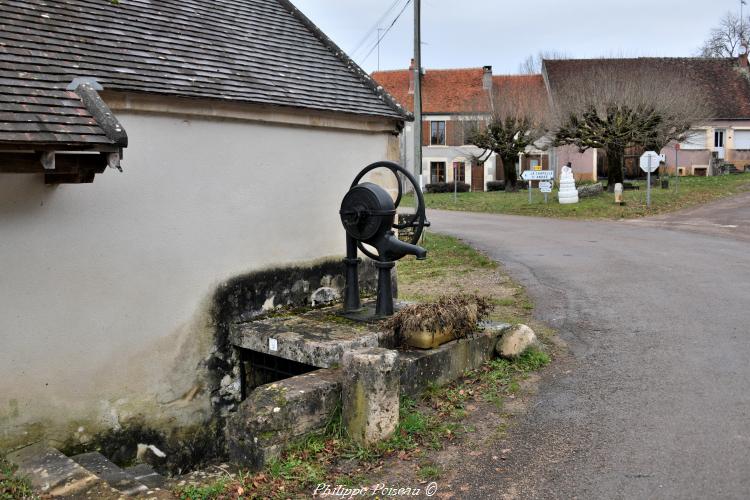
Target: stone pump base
x,y
358,371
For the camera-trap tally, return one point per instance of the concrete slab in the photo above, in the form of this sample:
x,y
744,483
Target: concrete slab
x,y
317,338
107,471
51,472
145,474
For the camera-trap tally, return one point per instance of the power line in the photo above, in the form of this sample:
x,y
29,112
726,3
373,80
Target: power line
x,y
377,43
373,27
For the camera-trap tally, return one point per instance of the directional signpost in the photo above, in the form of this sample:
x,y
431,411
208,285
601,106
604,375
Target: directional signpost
x,y
538,175
649,163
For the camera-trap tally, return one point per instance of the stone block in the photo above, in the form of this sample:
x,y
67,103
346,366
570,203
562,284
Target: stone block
x,y
105,470
421,368
515,342
274,415
306,338
370,394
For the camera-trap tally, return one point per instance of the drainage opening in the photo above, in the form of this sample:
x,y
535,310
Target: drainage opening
x,y
259,368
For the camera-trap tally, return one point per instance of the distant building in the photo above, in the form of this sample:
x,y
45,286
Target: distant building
x,y
724,87
454,100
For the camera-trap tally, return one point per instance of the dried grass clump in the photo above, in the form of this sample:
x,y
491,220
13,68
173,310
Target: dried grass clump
x,y
458,314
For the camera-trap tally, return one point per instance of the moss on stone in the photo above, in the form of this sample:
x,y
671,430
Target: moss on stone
x,y
356,419
185,448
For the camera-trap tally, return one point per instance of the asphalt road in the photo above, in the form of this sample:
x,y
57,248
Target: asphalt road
x,y
653,399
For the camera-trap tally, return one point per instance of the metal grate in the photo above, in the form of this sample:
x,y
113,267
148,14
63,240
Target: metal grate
x,y
259,368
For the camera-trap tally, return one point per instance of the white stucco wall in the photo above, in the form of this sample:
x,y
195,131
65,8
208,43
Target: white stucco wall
x,y
104,286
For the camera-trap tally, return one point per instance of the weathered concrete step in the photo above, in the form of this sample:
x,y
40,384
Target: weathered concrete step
x,y
145,474
313,338
117,478
52,473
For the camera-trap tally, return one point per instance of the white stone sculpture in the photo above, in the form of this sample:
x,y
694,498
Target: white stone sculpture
x,y
568,192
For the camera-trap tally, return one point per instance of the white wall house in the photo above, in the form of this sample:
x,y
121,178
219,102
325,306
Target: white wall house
x,y
245,126
456,100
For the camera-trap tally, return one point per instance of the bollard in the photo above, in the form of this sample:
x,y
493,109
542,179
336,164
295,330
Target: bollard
x,y
618,194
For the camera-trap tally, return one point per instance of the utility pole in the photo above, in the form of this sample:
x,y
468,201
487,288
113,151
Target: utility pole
x,y
418,93
743,42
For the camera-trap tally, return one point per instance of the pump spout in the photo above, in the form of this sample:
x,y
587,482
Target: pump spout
x,y
391,248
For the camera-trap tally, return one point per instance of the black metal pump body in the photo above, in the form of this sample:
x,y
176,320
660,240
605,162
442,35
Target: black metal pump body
x,y
368,214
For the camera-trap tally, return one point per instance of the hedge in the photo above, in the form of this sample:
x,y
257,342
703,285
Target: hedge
x,y
446,187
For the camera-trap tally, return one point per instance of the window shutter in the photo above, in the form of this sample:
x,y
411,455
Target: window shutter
x,y
742,139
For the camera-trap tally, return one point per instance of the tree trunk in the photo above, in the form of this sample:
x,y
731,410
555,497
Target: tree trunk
x,y
509,171
615,157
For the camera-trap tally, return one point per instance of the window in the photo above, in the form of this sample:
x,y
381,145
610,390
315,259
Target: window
x,y
459,171
696,140
437,171
437,133
742,139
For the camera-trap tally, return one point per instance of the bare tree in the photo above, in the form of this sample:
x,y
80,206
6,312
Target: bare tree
x,y
726,40
516,118
532,65
624,104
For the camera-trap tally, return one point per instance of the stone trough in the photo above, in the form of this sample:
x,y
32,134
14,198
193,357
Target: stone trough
x,y
352,366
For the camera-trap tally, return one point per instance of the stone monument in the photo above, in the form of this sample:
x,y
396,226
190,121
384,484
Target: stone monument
x,y
568,193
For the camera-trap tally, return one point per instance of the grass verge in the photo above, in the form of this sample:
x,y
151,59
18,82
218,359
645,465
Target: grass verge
x,y
12,486
692,191
332,458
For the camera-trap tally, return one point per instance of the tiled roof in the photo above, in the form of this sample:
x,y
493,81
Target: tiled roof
x,y
510,85
256,51
443,90
526,93
721,82
36,112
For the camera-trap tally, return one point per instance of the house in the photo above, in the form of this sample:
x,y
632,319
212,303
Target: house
x,y
454,100
238,126
722,85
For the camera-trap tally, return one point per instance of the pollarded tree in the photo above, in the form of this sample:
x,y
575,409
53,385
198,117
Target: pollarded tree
x,y
617,104
516,119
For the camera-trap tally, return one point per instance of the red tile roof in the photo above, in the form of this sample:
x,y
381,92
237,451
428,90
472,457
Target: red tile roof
x,y
462,91
443,90
511,85
525,94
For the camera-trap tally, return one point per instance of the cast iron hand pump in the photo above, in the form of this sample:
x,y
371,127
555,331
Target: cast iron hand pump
x,y
368,213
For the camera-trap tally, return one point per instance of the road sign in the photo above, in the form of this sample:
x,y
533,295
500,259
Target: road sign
x,y
537,167
537,175
650,161
545,187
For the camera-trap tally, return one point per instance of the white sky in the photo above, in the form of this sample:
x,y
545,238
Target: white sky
x,y
464,33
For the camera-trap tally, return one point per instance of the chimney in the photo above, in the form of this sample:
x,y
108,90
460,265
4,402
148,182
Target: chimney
x,y
743,56
487,78
411,77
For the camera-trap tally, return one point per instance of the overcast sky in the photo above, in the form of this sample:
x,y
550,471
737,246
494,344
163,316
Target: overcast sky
x,y
465,33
